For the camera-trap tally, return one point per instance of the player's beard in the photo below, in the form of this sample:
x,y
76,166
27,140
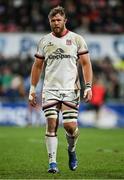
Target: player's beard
x,y
58,30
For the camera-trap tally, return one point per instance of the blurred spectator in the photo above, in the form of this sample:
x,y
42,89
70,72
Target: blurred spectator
x,y
119,66
71,10
6,80
11,85
111,75
98,99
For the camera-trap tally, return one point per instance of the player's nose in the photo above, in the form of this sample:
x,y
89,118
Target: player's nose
x,y
56,22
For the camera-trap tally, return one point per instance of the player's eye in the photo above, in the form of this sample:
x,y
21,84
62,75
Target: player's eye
x,y
52,20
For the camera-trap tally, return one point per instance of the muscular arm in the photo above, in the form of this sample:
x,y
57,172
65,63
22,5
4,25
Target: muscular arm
x,y
86,68
87,74
36,71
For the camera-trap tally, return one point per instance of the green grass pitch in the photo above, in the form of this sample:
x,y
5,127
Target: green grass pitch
x,y
23,154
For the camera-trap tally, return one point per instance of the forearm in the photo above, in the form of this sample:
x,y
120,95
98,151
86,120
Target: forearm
x,y
36,71
86,68
87,73
35,74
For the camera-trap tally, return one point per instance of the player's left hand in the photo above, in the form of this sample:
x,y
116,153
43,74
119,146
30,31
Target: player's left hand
x,y
87,94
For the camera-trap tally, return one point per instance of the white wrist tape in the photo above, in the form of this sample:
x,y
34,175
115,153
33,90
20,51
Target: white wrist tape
x,y
32,90
86,90
88,85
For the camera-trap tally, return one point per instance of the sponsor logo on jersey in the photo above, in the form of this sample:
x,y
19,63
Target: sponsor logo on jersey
x,y
58,54
50,44
68,42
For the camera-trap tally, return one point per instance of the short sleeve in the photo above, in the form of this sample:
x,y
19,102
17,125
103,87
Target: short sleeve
x,y
82,46
40,53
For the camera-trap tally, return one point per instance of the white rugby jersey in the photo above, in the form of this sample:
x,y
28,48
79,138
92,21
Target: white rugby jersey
x,y
61,56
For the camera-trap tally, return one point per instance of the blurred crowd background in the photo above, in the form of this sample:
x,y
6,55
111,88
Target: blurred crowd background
x,y
85,16
94,16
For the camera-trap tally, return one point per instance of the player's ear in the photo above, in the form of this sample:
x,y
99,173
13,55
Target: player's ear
x,y
65,20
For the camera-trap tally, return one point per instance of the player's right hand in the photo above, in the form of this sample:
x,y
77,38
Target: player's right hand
x,y
32,99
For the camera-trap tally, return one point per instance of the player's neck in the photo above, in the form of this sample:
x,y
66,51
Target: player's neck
x,y
64,32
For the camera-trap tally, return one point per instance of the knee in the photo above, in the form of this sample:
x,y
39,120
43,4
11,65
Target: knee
x,y
71,130
51,125
70,121
51,115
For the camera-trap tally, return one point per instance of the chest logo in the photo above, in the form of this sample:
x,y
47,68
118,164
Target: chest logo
x,y
68,42
58,54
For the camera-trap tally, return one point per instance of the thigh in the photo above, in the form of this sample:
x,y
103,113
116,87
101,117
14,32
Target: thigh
x,y
50,99
52,118
71,100
51,110
51,107
72,97
70,116
70,107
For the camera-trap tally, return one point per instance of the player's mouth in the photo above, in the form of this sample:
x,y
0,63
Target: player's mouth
x,y
56,28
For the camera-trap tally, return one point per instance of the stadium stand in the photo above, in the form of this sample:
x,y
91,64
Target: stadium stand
x,y
94,16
